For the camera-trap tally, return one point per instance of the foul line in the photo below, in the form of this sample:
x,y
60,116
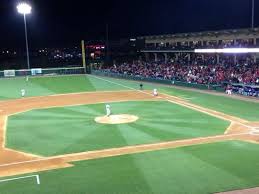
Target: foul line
x,y
24,177
193,108
4,131
127,147
137,146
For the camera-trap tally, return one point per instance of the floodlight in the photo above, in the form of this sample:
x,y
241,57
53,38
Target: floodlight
x,y
24,8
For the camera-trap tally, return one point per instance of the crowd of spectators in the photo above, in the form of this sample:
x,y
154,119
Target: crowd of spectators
x,y
203,45
196,71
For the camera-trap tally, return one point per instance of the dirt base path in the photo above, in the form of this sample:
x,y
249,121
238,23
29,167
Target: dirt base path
x,y
244,191
15,163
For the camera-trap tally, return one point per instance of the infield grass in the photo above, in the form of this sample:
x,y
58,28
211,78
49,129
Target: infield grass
x,y
200,169
64,130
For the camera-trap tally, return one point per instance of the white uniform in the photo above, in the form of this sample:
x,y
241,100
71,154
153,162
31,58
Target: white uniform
x,y
155,93
108,110
23,92
229,91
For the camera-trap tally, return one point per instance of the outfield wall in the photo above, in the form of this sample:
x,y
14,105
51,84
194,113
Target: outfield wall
x,y
41,72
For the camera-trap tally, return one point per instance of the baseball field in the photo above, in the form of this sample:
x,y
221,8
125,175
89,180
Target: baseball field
x,y
57,140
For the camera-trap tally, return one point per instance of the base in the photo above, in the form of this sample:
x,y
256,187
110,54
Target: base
x,y
254,131
116,119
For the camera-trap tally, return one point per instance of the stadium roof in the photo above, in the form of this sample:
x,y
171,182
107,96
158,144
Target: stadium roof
x,y
221,33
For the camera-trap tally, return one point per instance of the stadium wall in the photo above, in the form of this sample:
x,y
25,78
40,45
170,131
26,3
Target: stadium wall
x,y
41,72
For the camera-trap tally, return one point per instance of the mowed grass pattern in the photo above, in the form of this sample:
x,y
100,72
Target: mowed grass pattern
x,y
239,108
64,130
41,86
200,169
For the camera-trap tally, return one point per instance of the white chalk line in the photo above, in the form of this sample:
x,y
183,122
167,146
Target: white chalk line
x,y
126,147
75,154
3,145
215,93
24,177
4,131
211,114
173,101
72,105
187,98
255,131
117,84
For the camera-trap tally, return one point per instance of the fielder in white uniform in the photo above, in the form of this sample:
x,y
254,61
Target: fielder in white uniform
x,y
108,110
155,93
229,91
23,92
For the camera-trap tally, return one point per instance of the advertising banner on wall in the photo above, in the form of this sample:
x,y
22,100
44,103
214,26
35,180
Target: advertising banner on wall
x,y
9,73
36,71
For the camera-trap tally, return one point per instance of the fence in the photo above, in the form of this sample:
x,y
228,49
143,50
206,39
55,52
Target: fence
x,y
159,81
42,72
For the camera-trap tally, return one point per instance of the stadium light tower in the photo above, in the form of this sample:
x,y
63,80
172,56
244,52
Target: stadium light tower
x,y
25,8
253,13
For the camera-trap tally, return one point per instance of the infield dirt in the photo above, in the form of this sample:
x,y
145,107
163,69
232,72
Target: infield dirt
x,y
14,162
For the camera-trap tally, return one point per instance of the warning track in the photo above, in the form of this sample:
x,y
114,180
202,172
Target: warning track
x,y
13,162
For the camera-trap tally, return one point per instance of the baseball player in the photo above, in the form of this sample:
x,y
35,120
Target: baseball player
x,y
108,110
229,90
23,92
141,86
155,93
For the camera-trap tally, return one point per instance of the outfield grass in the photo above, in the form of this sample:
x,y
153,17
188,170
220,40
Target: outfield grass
x,y
64,130
200,169
40,86
239,108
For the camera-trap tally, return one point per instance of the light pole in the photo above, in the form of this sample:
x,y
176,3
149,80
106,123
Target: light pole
x,y
25,8
253,14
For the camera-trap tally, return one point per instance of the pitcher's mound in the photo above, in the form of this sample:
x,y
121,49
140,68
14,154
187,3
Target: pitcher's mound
x,y
116,119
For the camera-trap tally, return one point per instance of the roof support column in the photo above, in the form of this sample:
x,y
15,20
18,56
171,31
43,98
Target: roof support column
x,y
166,57
218,58
147,56
235,59
156,59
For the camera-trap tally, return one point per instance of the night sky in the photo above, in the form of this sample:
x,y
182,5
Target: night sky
x,y
65,23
